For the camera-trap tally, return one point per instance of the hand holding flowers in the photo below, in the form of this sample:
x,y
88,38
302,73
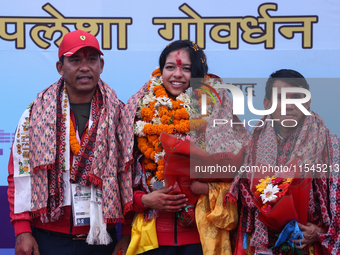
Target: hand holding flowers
x,y
281,200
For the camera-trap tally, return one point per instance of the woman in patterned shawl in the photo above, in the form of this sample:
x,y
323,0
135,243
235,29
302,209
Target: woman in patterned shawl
x,y
163,105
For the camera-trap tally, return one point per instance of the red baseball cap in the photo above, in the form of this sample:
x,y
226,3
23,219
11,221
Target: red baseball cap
x,y
76,40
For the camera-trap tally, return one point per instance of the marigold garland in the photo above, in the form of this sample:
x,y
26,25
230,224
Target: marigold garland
x,y
74,144
166,114
157,72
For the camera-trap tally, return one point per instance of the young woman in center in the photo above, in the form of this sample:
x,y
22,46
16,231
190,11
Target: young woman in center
x,y
162,105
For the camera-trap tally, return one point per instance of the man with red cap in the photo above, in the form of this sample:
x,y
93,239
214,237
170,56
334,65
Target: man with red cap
x,y
67,137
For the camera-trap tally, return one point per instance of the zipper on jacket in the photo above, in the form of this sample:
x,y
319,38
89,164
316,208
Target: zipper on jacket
x,y
175,233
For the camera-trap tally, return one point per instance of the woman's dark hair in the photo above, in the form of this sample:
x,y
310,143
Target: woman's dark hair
x,y
292,77
199,67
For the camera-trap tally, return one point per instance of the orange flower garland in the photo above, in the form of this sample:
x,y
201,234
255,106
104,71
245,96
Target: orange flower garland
x,y
160,169
162,114
74,144
157,72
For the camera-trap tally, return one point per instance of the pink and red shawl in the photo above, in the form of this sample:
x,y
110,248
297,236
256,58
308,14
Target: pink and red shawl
x,y
310,143
97,163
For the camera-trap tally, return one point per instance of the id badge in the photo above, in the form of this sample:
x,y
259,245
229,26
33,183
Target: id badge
x,y
81,199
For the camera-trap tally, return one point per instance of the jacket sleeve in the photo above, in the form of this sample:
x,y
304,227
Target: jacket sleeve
x,y
126,228
20,221
137,207
137,201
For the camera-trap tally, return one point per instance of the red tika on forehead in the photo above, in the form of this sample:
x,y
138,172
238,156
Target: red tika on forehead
x,y
178,60
85,52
